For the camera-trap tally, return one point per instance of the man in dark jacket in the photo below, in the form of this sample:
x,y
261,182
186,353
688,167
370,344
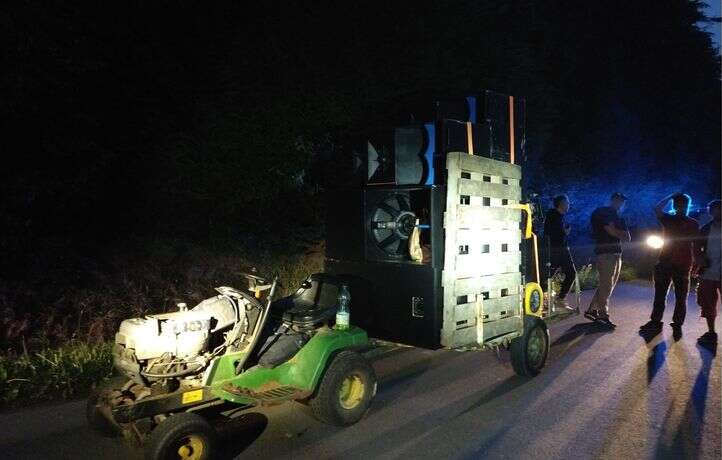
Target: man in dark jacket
x,y
555,237
608,232
675,263
709,263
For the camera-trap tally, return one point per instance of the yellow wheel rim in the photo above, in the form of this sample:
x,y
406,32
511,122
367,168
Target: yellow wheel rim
x,y
191,448
352,392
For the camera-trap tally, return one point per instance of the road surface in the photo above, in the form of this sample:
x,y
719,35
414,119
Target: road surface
x,y
603,394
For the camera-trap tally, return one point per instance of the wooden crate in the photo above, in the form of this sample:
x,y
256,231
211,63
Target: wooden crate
x,y
481,278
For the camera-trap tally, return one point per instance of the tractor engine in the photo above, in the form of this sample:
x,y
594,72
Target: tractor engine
x,y
178,345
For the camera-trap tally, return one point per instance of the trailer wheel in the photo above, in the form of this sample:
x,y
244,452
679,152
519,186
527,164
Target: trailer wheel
x,y
345,391
529,352
182,436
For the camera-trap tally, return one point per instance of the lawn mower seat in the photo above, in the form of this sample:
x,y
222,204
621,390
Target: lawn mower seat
x,y
313,303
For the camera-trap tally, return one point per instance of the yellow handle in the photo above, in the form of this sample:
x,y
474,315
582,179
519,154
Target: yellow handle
x,y
528,233
526,208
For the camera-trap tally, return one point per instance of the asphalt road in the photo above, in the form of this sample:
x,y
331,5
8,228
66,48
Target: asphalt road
x,y
602,395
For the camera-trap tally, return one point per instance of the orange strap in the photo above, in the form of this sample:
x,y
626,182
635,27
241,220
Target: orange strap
x,y
469,139
511,129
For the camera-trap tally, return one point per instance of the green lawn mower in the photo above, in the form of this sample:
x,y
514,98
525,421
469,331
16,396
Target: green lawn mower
x,y
181,370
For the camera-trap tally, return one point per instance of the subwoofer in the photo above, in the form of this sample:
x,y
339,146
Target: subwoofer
x,y
389,223
390,214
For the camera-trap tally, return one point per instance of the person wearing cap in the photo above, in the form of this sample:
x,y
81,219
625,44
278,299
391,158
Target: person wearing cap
x,y
556,231
675,262
608,232
709,268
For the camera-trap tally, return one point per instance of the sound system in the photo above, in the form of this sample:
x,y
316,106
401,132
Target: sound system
x,y
400,298
401,177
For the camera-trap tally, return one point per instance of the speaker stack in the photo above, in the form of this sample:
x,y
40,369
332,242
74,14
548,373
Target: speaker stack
x,y
490,125
400,188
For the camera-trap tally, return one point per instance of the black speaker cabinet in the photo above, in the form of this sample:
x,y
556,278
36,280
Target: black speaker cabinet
x,y
473,138
399,302
503,111
415,154
413,309
401,156
462,109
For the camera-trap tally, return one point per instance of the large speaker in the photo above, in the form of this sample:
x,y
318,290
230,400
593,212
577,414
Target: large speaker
x,y
414,148
467,137
383,220
463,109
505,112
401,156
415,154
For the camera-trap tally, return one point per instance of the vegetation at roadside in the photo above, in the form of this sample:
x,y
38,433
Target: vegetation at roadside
x,y
68,371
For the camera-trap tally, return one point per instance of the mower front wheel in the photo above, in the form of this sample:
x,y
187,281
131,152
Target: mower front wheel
x,y
182,436
345,391
96,420
98,400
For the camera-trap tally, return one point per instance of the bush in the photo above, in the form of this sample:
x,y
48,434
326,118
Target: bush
x,y
628,273
65,372
587,275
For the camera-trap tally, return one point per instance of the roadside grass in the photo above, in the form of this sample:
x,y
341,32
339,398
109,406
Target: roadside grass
x,y
60,373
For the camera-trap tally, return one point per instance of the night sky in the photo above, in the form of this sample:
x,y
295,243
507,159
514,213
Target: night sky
x,y
192,123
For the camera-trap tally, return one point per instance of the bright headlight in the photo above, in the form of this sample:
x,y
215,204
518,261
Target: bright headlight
x,y
655,241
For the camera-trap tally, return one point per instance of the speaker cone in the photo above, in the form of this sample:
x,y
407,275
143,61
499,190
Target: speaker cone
x,y
391,224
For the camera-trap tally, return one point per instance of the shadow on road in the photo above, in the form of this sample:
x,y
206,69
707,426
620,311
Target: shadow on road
x,y
236,434
655,361
580,330
701,383
508,385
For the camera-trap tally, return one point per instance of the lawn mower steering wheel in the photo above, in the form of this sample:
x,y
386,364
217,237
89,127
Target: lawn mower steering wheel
x,y
256,278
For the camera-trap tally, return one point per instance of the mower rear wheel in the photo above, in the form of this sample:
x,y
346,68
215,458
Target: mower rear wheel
x,y
182,436
529,351
345,392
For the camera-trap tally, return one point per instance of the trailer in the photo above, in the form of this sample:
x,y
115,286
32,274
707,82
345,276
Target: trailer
x,y
440,237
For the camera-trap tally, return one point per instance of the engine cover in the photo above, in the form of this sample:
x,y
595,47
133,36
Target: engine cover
x,y
182,334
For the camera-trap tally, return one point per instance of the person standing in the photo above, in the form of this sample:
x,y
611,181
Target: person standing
x,y
608,232
556,232
675,263
709,263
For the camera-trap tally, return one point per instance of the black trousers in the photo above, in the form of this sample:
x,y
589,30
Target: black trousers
x,y
561,259
664,276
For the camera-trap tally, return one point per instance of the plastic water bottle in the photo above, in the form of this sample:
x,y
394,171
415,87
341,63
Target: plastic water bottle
x,y
343,314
